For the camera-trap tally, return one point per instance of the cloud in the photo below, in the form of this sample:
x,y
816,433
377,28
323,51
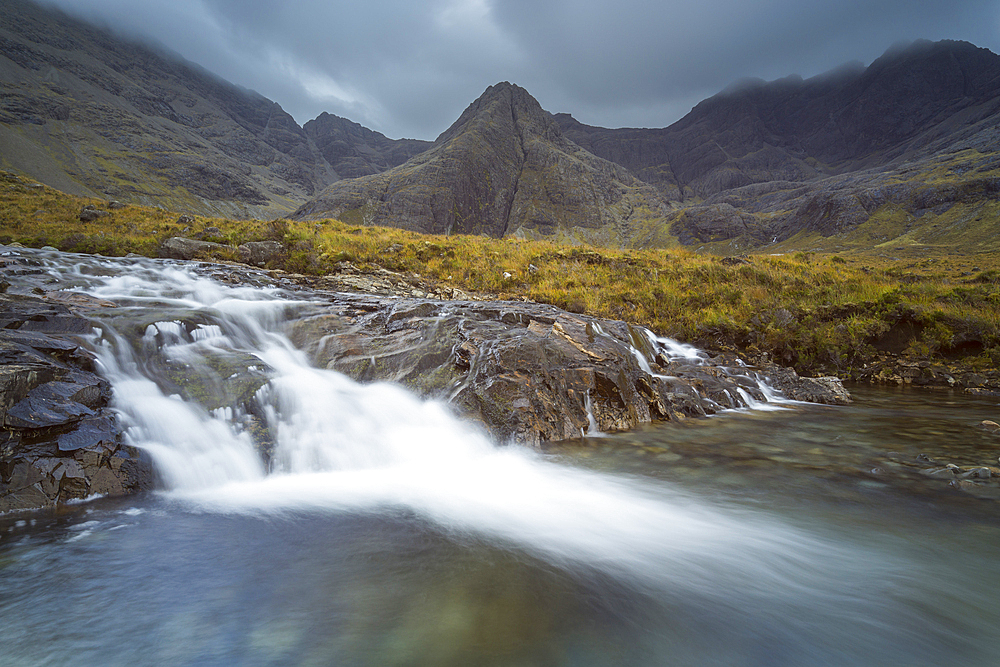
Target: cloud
x,y
409,68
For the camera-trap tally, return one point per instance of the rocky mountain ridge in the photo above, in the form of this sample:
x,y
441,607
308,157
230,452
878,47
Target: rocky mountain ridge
x,y
761,162
902,152
503,168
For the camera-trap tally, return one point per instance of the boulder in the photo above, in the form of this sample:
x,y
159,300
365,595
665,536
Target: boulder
x,y
828,390
89,213
259,253
178,247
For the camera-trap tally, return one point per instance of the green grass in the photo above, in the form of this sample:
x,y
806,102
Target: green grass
x,y
820,312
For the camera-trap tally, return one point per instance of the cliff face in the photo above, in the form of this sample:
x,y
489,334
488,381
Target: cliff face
x,y
503,168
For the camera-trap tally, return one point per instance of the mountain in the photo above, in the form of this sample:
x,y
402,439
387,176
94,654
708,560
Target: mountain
x,y
761,162
904,151
92,113
503,168
353,150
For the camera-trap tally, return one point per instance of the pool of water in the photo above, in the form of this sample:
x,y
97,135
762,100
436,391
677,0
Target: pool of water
x,y
807,536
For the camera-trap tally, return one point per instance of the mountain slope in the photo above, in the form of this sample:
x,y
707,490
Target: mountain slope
x,y
793,130
904,151
91,113
503,168
759,163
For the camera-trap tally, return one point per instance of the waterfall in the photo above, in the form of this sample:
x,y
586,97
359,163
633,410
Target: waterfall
x,y
338,445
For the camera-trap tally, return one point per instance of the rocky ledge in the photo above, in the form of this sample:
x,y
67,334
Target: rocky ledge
x,y
59,440
532,373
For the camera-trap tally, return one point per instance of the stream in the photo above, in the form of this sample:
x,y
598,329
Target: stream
x,y
383,530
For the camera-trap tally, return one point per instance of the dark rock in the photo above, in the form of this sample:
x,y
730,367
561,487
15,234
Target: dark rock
x,y
90,433
115,205
45,407
58,438
528,371
259,253
185,220
89,213
814,390
178,247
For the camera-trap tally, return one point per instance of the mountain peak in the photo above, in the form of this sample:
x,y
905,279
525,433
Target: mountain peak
x,y
505,100
504,167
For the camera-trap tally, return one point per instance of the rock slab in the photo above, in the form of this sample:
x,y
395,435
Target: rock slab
x,y
59,440
531,373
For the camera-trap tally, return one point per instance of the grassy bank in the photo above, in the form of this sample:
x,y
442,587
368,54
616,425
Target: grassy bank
x,y
822,313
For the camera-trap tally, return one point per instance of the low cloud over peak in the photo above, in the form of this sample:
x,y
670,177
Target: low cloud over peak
x,y
408,69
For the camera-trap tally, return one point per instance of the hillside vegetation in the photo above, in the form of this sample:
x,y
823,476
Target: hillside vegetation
x,y
858,314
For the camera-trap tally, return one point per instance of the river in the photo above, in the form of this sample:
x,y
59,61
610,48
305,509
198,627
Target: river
x,y
385,531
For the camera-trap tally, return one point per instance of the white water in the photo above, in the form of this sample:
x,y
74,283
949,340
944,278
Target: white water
x,y
342,446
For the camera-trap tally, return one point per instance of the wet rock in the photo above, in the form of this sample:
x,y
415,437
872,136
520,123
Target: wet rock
x,y
45,407
528,372
828,390
58,438
990,426
89,434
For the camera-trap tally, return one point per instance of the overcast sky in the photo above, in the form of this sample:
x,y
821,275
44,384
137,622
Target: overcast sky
x,y
408,68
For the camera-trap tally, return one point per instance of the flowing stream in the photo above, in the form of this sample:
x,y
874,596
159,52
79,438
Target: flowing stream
x,y
385,531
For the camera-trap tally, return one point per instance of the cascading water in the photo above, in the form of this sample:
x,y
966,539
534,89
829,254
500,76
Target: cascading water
x,y
339,446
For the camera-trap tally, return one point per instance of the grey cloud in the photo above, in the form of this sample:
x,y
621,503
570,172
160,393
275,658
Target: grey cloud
x,y
409,69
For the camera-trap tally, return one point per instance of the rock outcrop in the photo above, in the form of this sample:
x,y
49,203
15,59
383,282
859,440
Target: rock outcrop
x,y
532,373
59,440
526,372
504,168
